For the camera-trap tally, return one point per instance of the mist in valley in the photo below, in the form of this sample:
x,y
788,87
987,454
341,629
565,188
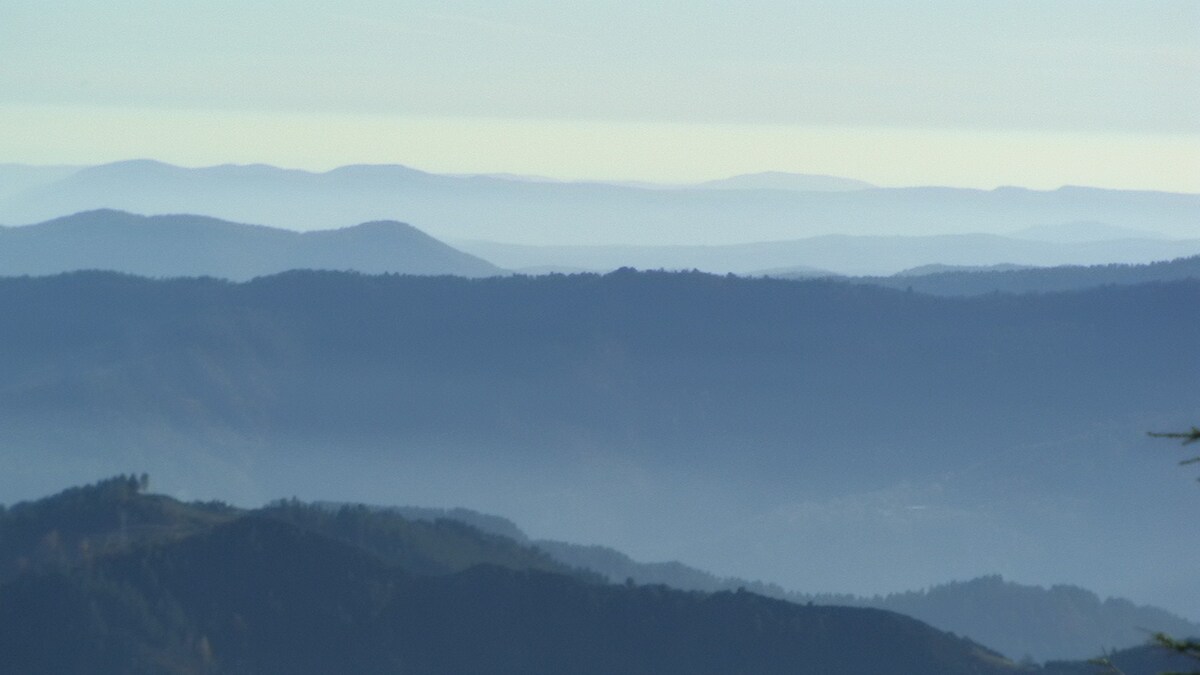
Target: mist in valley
x,y
778,338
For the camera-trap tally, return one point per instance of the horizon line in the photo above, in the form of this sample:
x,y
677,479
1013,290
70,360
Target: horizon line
x,y
631,183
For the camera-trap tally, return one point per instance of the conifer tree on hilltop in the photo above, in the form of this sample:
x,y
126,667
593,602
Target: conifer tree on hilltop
x,y
1190,646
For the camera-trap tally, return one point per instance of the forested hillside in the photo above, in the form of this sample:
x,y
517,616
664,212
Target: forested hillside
x,y
688,361
300,589
1017,620
944,430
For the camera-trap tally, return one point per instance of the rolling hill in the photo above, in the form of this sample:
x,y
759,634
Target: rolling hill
x,y
1037,280
182,245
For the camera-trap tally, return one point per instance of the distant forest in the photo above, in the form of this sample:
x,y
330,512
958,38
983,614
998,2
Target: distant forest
x,y
792,412
686,362
1040,280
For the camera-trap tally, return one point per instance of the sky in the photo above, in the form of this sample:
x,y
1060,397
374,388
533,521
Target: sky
x,y
1035,93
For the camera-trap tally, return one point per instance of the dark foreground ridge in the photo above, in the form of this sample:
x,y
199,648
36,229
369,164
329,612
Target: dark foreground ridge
x,y
107,579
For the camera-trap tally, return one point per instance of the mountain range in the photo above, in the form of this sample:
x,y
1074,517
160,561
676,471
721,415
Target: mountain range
x,y
110,577
18,178
185,245
830,255
113,580
499,209
1020,621
995,433
1016,279
821,435
1080,232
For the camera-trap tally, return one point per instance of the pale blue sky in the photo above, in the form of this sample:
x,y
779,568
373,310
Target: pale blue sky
x,y
982,93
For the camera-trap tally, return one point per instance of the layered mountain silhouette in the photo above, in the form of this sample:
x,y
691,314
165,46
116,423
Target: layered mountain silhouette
x,y
837,254
183,245
108,576
1081,232
18,178
1034,280
1019,620
489,208
822,435
1143,660
181,588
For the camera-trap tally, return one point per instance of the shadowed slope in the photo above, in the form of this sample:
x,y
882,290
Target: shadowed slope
x,y
257,595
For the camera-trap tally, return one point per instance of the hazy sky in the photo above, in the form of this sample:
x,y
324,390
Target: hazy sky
x,y
1035,93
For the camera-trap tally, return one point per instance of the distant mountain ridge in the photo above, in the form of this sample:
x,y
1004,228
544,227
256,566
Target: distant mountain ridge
x,y
186,245
1061,622
550,213
838,254
18,178
938,268
1036,279
1082,231
183,245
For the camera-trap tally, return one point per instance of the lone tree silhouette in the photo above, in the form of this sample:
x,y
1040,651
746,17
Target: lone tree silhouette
x,y
1191,646
1187,436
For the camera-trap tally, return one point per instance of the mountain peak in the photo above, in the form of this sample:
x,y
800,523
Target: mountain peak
x,y
191,245
385,225
128,168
